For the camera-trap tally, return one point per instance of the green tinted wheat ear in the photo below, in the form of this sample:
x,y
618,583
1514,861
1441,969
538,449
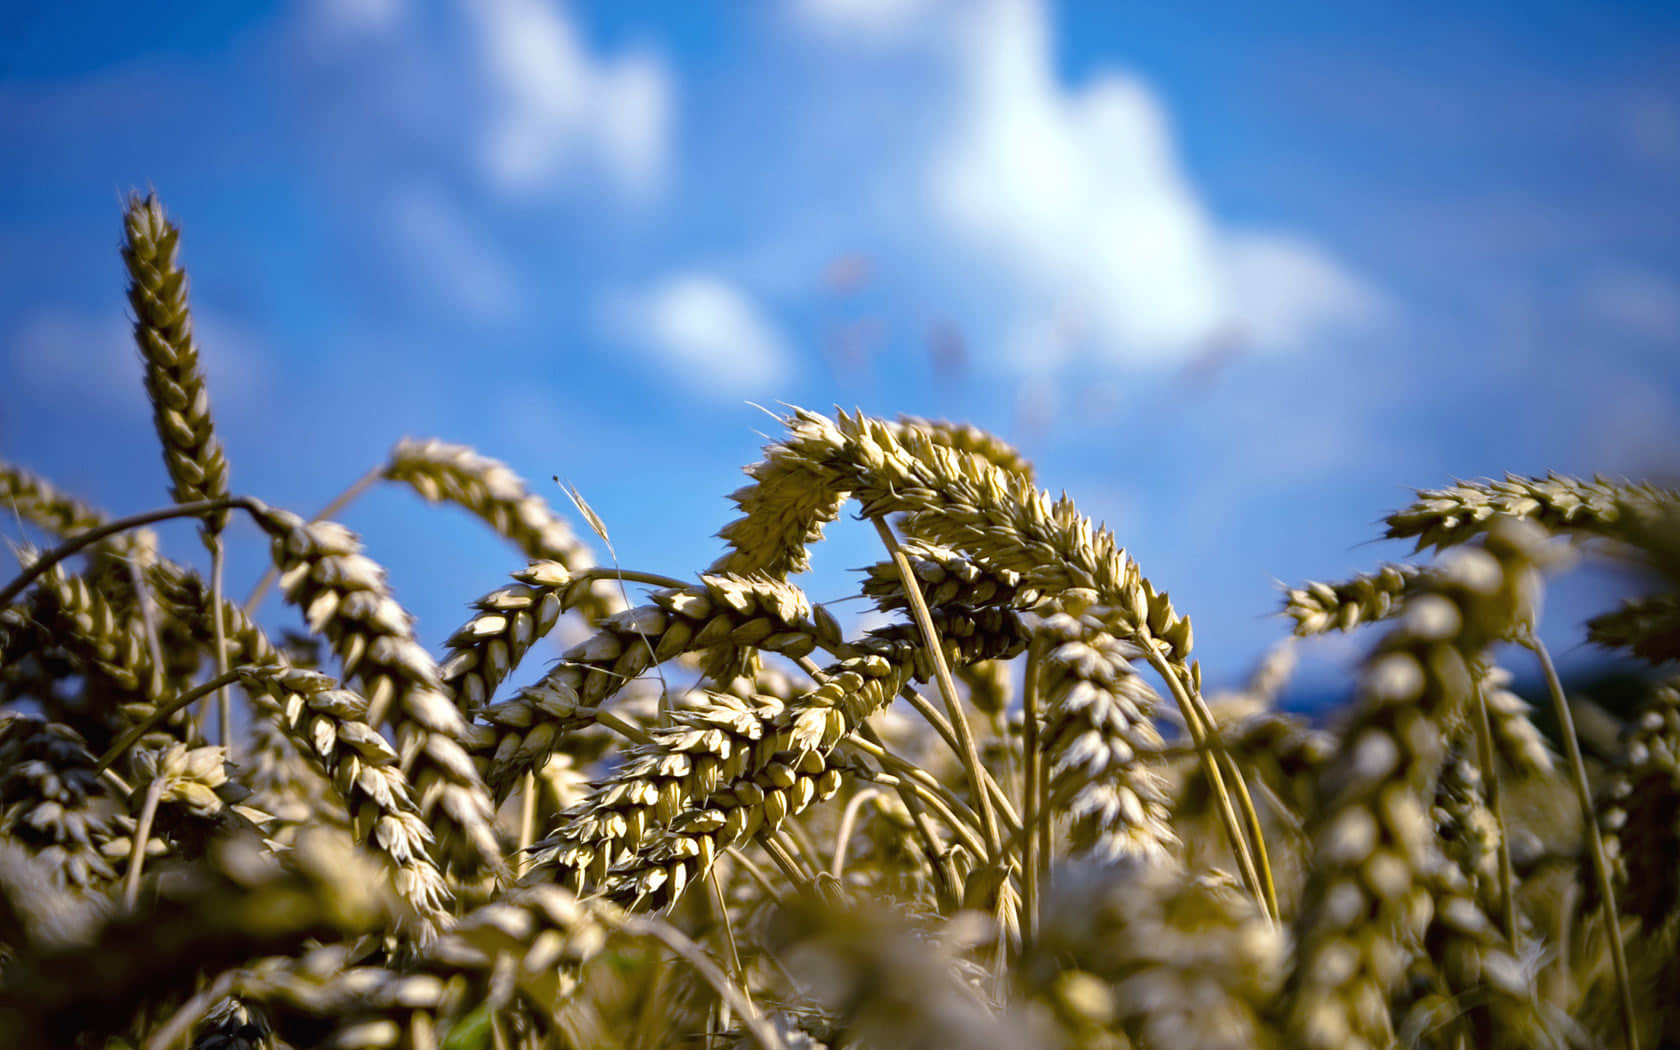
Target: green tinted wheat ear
x,y
163,329
1320,607
491,491
1369,894
1444,517
1098,728
344,597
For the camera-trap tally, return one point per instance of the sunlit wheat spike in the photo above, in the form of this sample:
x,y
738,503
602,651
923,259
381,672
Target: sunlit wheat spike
x,y
1320,607
329,727
344,597
946,578
492,492
965,437
1369,893
1098,732
1147,952
784,765
35,501
1444,517
725,617
163,330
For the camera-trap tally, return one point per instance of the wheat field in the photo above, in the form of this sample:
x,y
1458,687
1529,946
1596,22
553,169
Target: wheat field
x,y
1010,817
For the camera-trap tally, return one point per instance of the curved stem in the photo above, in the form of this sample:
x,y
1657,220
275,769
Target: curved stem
x,y
1595,842
142,833
1490,782
163,711
1210,764
1038,841
82,540
692,954
843,835
947,690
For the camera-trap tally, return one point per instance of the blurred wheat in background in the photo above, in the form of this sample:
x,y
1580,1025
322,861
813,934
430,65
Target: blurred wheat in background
x,y
1008,814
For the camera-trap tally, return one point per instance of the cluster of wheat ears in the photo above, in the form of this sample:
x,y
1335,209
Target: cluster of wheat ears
x,y
1009,818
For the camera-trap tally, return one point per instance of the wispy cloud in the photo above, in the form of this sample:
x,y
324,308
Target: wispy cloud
x,y
871,21
1633,302
704,328
440,246
560,107
60,352
1081,197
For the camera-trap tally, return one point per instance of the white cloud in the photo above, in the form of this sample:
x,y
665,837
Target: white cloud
x,y
62,352
874,21
331,22
560,107
442,247
1080,198
706,329
1633,302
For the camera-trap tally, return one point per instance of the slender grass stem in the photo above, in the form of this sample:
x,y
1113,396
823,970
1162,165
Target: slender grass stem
x,y
224,700
843,834
1037,848
948,690
1496,803
733,997
1000,797
82,540
1595,841
527,823
142,833
1234,831
161,713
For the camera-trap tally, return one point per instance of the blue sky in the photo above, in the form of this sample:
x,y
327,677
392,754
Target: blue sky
x,y
1236,282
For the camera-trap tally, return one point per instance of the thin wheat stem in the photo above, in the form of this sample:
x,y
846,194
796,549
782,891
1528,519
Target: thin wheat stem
x,y
1000,797
148,623
784,860
1033,807
142,832
82,540
527,823
162,712
1595,841
848,820
1495,801
734,956
224,700
1199,736
948,690
953,810
695,956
